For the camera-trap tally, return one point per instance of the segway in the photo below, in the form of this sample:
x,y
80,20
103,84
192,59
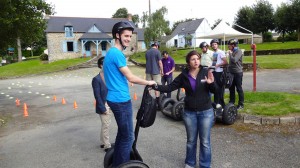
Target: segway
x,y
227,115
148,104
173,108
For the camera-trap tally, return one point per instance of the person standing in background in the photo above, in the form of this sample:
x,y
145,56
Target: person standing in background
x,y
219,61
168,69
206,56
154,67
100,93
236,69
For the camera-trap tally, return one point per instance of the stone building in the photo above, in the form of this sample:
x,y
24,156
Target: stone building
x,y
74,37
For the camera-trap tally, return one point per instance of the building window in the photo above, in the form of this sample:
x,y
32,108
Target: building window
x,y
69,31
70,46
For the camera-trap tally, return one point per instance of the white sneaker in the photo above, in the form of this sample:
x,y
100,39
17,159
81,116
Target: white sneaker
x,y
187,166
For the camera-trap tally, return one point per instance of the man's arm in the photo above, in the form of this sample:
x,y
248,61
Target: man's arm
x,y
160,67
134,79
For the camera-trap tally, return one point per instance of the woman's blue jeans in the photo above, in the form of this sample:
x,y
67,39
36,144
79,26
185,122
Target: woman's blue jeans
x,y
125,136
198,123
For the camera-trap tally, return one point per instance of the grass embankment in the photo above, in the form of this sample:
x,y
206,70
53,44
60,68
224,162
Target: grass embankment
x,y
34,67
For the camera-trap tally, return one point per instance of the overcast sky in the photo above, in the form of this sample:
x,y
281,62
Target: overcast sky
x,y
177,9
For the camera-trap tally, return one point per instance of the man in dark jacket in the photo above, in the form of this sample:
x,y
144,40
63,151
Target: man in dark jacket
x,y
236,69
100,93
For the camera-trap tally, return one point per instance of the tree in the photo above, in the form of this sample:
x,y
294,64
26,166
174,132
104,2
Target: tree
x,y
158,26
144,19
295,20
123,13
282,19
263,17
244,18
22,21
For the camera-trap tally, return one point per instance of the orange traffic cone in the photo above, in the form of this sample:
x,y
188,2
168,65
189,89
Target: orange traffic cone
x,y
63,101
25,110
75,105
134,96
54,98
182,89
17,102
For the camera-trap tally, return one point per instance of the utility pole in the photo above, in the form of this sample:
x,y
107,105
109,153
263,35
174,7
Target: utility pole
x,y
149,8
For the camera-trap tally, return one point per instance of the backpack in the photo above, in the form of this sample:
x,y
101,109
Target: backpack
x,y
147,111
227,78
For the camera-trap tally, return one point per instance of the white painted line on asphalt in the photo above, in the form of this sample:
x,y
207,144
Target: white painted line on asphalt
x,y
11,97
43,94
7,95
47,97
29,92
9,88
37,93
2,93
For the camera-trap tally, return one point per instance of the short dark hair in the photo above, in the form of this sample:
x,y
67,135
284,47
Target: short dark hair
x,y
100,61
190,54
164,52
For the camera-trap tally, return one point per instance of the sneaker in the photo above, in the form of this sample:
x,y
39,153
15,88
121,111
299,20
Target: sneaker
x,y
188,166
240,107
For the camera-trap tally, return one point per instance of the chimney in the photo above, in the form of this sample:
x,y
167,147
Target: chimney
x,y
129,17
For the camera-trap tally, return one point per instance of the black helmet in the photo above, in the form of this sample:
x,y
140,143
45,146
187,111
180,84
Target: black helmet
x,y
234,42
203,44
214,41
118,27
100,61
155,43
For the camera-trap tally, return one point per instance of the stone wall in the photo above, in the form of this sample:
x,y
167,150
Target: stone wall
x,y
55,46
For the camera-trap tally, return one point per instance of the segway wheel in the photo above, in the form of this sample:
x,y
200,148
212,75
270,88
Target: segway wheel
x,y
108,158
134,164
177,110
167,104
229,114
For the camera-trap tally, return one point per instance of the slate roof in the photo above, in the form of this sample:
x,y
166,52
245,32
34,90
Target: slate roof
x,y
81,24
186,27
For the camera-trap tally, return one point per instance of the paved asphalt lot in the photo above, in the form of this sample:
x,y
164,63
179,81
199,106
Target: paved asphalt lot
x,y
56,135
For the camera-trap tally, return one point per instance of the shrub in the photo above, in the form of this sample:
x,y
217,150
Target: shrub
x,y
44,57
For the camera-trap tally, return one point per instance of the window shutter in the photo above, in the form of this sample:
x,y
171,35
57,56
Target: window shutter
x,y
75,46
64,46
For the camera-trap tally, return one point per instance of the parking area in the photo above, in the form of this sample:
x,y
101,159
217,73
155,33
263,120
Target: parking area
x,y
57,135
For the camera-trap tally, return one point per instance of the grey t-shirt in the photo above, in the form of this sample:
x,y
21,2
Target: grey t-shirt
x,y
236,61
152,61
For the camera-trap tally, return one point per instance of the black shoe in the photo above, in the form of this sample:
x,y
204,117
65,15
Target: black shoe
x,y
106,149
101,146
240,107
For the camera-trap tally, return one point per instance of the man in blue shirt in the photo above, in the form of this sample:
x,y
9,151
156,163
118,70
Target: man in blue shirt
x,y
168,69
116,74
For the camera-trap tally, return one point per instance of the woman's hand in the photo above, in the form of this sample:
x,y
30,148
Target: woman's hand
x,y
210,79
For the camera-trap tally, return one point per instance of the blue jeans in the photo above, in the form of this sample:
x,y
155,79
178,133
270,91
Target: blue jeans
x,y
167,80
198,122
125,136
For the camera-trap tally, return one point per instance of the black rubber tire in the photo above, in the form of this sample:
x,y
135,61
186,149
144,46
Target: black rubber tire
x,y
160,100
167,105
108,158
229,114
177,110
134,164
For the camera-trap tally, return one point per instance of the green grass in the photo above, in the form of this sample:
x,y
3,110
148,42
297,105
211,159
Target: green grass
x,y
32,67
271,45
290,61
271,103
